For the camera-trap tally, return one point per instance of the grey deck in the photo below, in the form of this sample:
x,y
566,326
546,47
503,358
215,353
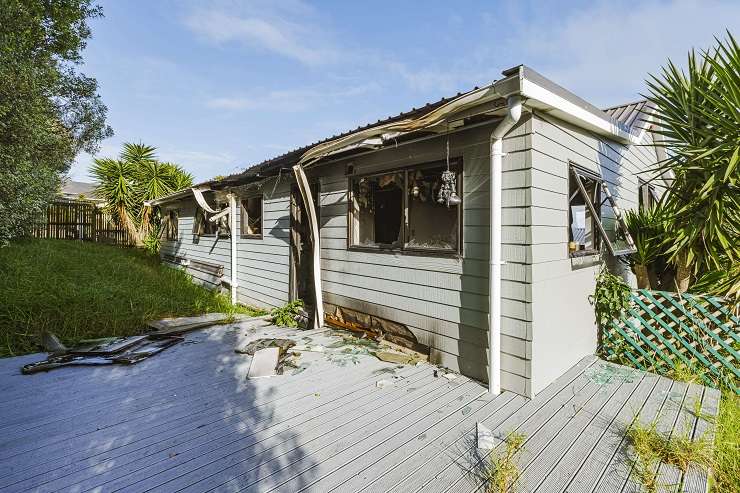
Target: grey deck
x,y
187,420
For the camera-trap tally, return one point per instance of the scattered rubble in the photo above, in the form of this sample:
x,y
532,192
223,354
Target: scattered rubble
x,y
264,362
484,437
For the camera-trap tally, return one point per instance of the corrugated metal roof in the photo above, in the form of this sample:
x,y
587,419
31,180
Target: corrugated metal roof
x,y
631,114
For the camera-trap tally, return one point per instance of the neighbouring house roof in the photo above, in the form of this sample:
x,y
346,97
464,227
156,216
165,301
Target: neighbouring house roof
x,y
631,114
541,93
73,189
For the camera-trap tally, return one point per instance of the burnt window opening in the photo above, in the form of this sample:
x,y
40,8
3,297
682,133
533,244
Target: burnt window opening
x,y
203,226
172,225
251,217
402,210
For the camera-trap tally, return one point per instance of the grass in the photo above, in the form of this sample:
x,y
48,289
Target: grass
x,y
726,464
503,471
82,290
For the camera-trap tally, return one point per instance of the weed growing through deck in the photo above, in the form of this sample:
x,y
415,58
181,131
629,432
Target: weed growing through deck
x,y
285,316
86,291
503,470
652,447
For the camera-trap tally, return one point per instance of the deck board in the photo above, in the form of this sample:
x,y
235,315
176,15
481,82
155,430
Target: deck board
x,y
189,420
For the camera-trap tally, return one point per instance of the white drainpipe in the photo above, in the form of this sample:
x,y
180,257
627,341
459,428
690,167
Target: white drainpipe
x,y
494,274
234,274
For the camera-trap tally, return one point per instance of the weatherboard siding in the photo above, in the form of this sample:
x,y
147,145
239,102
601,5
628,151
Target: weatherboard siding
x,y
211,249
563,323
263,264
442,300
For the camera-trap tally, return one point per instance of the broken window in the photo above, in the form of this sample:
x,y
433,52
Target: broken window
x,y
648,197
586,226
251,217
403,210
202,226
171,226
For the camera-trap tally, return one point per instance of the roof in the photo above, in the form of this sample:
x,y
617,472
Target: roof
x,y
630,113
290,157
76,188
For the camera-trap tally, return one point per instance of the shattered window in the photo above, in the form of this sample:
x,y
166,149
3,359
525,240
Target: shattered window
x,y
251,217
414,209
171,227
433,224
202,226
377,204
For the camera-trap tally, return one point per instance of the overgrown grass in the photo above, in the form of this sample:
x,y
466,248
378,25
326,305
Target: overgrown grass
x,y
726,465
84,290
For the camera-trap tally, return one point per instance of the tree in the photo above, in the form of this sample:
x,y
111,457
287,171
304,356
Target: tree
x,y
48,111
134,178
698,118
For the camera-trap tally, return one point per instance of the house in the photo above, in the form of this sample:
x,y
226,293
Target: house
x,y
386,227
79,190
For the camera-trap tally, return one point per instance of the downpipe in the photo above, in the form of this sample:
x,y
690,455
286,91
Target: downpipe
x,y
234,265
514,112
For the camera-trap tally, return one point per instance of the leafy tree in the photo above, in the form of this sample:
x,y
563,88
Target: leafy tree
x,y
698,112
48,111
134,178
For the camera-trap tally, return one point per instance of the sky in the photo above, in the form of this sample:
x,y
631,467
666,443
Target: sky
x,y
218,86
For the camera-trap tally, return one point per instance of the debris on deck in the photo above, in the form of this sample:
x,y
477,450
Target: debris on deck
x,y
264,362
119,350
484,437
185,324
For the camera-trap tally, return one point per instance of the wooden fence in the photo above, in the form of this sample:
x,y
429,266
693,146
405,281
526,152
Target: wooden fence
x,y
80,220
667,332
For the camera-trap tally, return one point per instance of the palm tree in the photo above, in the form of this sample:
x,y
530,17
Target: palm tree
x,y
698,118
645,227
135,177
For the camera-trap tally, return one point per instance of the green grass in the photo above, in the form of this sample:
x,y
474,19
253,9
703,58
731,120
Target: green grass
x,y
726,465
85,290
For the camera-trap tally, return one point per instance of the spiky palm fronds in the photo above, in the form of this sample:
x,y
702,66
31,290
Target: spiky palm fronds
x,y
698,116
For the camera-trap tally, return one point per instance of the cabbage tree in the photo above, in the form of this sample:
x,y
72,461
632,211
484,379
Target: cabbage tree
x,y
135,177
698,121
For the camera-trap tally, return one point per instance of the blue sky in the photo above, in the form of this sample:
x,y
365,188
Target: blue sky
x,y
218,86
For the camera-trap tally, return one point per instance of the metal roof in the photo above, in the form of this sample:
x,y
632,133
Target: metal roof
x,y
631,114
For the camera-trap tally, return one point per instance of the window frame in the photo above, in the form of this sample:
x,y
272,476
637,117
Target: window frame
x,y
206,215
402,248
647,195
576,172
243,214
173,227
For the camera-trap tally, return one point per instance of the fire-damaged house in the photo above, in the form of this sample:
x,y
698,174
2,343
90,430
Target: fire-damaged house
x,y
498,204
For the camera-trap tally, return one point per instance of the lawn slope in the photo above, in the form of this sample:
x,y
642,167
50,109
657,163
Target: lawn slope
x,y
85,290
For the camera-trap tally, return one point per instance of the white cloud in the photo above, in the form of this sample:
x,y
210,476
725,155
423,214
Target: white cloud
x,y
275,33
604,52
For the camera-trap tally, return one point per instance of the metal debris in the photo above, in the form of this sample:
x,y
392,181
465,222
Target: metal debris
x,y
125,350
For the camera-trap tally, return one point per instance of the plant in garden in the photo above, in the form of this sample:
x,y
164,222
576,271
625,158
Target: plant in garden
x,y
132,179
503,470
285,316
698,120
611,297
49,112
645,227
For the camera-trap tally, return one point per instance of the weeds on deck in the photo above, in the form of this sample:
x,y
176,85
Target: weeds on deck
x,y
80,290
503,471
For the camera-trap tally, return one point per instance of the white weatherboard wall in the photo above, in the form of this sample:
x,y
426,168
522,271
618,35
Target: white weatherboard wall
x,y
442,300
205,248
263,264
563,324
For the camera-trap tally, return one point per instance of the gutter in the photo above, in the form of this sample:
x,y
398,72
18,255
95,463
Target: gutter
x,y
514,112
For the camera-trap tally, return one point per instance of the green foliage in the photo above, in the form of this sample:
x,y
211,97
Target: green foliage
x,y
48,111
153,241
697,116
285,316
646,228
503,470
80,290
611,297
135,177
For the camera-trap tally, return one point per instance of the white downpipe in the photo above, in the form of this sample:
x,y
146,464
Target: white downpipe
x,y
313,223
234,264
494,274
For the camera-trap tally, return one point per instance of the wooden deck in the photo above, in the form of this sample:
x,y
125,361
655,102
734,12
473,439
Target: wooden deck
x,y
188,420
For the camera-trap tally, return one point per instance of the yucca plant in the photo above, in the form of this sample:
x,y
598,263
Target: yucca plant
x,y
135,177
645,227
698,117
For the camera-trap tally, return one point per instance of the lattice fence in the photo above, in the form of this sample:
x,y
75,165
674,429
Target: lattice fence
x,y
666,332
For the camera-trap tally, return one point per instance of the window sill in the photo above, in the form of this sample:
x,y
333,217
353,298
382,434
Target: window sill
x,y
407,251
251,237
583,253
